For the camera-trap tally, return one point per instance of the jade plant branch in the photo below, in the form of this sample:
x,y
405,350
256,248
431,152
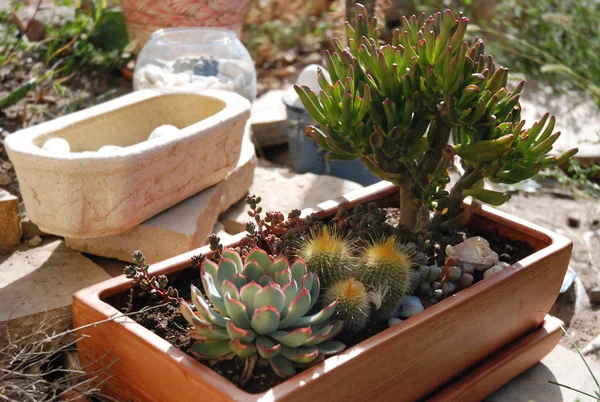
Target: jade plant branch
x,y
395,107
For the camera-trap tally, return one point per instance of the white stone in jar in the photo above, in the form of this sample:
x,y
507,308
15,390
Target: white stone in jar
x,y
153,73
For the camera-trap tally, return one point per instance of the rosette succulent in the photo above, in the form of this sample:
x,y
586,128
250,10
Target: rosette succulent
x,y
259,307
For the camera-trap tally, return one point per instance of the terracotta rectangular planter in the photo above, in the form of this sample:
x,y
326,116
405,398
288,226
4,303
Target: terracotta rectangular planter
x,y
85,193
402,363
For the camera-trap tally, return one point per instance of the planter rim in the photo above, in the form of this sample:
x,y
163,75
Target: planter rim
x,y
93,296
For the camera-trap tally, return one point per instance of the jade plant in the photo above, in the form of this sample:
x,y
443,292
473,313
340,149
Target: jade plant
x,y
259,307
396,106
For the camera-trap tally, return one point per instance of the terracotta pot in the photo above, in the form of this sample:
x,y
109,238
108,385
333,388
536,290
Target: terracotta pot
x,y
405,362
146,16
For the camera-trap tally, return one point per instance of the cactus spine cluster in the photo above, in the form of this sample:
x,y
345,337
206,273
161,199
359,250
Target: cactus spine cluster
x,y
353,303
385,267
328,255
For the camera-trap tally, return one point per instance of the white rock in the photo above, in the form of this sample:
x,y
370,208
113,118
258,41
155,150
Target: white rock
x,y
109,149
182,79
309,76
491,271
57,145
34,241
153,73
410,306
476,251
164,131
394,321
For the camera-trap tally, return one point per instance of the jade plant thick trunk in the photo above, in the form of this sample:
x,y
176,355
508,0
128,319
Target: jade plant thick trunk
x,y
395,107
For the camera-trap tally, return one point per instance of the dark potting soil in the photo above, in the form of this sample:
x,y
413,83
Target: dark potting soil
x,y
166,321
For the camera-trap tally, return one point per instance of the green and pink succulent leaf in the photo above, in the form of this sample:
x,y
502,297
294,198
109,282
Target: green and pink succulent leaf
x,y
282,367
265,320
260,256
267,348
211,349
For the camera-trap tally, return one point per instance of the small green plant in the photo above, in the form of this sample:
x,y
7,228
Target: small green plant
x,y
385,268
395,107
353,303
327,255
258,308
154,285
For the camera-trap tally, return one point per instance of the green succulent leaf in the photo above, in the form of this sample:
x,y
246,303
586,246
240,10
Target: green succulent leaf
x,y
294,338
279,265
270,295
304,354
237,311
227,270
261,257
282,367
241,334
204,310
488,196
296,310
243,350
265,320
235,257
267,348
331,347
248,293
210,349
252,271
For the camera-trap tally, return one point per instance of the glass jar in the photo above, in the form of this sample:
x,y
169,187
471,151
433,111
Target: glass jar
x,y
196,59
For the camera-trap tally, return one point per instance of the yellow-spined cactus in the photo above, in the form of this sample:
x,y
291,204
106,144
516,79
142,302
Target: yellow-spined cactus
x,y
353,303
328,255
385,268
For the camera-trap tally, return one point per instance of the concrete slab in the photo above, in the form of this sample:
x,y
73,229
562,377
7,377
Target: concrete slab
x,y
561,365
283,190
37,284
181,228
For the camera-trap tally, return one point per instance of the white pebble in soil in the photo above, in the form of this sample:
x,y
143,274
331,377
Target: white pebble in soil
x,y
394,321
166,130
410,306
57,145
476,251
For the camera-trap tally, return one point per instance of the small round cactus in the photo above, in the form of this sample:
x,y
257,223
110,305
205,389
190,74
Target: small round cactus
x,y
385,268
328,255
353,303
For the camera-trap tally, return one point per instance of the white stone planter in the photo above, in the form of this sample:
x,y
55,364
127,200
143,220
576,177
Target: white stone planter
x,y
89,194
